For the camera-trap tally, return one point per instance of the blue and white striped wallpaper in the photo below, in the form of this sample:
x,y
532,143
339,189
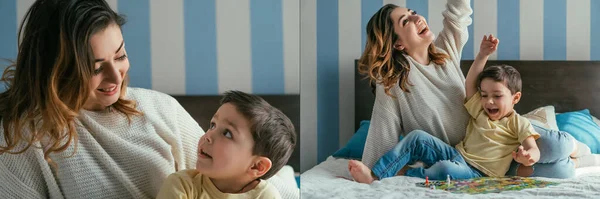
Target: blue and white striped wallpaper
x,y
198,47
333,36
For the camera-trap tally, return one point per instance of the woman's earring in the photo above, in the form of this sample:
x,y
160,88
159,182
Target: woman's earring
x,y
401,50
399,47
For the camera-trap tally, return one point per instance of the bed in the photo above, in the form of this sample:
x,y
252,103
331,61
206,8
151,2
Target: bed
x,y
564,85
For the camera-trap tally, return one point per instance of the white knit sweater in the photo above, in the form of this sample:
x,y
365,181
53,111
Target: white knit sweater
x,y
435,101
114,159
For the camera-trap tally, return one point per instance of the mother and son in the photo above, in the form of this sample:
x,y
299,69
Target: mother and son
x,y
422,95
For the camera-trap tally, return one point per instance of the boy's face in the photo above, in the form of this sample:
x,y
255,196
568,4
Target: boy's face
x,y
225,150
496,99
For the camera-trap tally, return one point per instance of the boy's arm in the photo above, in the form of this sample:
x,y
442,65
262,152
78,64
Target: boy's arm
x,y
489,44
474,71
528,153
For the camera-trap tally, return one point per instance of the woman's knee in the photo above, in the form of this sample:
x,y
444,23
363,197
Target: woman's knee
x,y
417,134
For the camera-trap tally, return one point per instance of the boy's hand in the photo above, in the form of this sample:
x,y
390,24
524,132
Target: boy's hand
x,y
489,44
523,157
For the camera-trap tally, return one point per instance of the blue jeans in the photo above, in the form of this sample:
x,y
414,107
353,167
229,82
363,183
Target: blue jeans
x,y
555,149
421,146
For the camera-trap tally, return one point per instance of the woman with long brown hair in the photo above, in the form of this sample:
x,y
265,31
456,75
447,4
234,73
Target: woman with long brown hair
x,y
417,77
419,87
70,127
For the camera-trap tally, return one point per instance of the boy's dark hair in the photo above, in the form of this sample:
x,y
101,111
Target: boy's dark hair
x,y
273,132
502,73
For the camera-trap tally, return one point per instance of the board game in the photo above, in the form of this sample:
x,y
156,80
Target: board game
x,y
486,184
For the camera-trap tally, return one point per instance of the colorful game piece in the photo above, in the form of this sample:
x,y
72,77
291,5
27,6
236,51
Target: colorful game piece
x,y
432,187
426,180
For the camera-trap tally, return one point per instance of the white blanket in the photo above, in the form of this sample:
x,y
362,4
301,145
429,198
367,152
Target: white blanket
x,y
322,182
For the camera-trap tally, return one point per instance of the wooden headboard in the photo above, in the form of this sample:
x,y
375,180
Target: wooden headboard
x,y
202,108
567,85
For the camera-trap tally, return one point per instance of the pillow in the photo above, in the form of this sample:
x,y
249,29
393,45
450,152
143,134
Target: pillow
x,y
286,173
581,126
355,146
544,117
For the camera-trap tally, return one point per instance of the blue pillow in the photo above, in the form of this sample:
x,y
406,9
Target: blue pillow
x,y
355,146
581,126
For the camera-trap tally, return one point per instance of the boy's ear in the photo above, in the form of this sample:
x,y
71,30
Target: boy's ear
x,y
260,167
516,97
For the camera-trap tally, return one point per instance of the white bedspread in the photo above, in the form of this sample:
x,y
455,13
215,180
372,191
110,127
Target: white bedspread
x,y
321,182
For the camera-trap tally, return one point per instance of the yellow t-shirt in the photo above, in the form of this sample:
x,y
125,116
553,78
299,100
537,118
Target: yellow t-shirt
x,y
488,145
192,184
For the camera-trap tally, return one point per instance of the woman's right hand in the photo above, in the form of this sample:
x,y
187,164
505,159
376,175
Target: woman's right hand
x,y
489,44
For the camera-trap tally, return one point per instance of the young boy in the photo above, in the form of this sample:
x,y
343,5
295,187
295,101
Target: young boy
x,y
493,134
247,142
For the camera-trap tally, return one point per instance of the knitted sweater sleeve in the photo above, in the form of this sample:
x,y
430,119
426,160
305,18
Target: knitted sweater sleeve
x,y
189,134
385,128
454,35
21,177
26,175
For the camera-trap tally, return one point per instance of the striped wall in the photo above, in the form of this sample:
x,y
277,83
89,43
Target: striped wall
x,y
333,35
198,47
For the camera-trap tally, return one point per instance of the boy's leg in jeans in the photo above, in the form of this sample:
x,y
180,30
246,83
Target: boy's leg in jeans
x,y
554,145
561,169
416,146
457,168
555,150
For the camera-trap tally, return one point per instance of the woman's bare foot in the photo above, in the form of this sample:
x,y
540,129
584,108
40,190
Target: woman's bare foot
x,y
360,172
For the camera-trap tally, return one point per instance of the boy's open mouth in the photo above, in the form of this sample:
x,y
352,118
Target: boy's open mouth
x,y
202,153
493,110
